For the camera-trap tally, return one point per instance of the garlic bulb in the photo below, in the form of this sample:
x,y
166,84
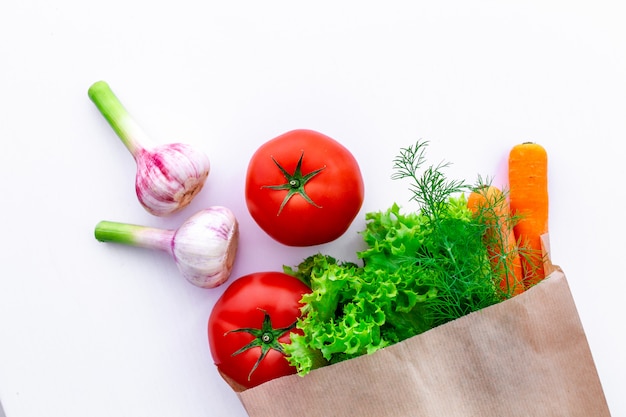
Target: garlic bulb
x,y
168,176
203,247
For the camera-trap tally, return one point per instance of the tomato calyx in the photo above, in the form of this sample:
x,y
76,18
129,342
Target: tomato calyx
x,y
266,338
295,182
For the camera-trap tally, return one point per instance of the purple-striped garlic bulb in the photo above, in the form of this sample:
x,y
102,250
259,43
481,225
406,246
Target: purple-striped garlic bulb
x,y
168,176
203,247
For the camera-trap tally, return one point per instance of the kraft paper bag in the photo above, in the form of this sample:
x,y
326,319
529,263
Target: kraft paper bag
x,y
527,356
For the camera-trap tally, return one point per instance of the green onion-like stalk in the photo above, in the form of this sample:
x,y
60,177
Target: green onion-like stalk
x,y
168,176
203,247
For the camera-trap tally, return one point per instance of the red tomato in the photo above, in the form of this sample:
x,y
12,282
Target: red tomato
x,y
304,188
252,316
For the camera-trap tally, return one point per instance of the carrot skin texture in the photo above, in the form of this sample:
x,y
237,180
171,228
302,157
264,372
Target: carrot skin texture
x,y
528,197
489,202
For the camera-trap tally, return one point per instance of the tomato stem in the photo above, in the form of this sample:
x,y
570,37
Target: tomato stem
x,y
295,183
266,338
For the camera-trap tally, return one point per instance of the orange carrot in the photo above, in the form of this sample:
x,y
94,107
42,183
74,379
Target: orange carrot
x,y
491,204
528,196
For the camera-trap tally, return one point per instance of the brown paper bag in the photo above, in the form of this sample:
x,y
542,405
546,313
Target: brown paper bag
x,y
527,356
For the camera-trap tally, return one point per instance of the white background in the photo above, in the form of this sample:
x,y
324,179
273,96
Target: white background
x,y
93,329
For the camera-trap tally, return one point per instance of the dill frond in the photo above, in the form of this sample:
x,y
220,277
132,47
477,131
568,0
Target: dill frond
x,y
430,188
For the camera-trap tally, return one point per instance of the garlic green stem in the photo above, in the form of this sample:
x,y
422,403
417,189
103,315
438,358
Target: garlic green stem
x,y
118,117
134,235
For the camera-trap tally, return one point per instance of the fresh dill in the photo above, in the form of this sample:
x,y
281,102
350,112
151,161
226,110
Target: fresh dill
x,y
431,189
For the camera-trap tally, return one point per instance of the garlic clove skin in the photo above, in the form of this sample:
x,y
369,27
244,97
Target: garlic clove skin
x,y
205,245
169,177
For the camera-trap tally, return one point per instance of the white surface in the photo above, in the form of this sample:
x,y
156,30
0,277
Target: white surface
x,y
97,329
